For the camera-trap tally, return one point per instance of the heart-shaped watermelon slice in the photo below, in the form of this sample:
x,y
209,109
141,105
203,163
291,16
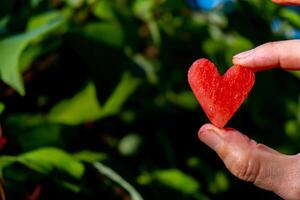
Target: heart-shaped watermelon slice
x,y
220,96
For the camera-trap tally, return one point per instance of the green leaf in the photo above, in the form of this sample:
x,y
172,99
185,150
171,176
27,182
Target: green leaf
x,y
134,195
70,186
126,87
147,66
101,45
111,34
5,161
38,21
11,49
177,180
292,128
219,183
35,3
236,44
33,131
130,144
104,10
84,106
75,3
28,56
3,22
2,107
295,73
143,9
291,16
90,156
172,178
185,99
46,161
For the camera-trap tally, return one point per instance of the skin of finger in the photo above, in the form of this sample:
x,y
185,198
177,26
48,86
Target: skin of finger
x,y
266,168
273,54
252,162
287,2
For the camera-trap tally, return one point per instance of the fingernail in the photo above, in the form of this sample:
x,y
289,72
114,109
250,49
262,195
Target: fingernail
x,y
243,54
210,136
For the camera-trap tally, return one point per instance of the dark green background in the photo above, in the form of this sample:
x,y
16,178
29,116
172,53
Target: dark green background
x,y
106,81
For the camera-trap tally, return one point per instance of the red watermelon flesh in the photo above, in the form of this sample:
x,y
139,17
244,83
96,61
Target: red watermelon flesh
x,y
220,96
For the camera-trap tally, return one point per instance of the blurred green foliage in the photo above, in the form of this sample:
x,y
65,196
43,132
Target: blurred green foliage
x,y
90,81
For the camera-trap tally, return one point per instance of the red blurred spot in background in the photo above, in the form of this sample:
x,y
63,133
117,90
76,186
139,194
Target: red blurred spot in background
x,y
3,141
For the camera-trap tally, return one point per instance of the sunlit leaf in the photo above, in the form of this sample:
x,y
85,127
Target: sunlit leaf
x,y
134,195
47,161
291,16
155,32
125,88
177,180
292,129
11,49
103,9
295,73
28,56
219,183
90,156
75,3
185,99
70,186
129,144
147,67
84,107
45,18
172,178
236,44
218,19
144,10
2,107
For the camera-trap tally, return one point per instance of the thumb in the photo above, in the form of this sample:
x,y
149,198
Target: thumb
x,y
252,162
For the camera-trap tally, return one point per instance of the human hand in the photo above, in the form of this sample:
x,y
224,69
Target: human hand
x,y
256,163
249,161
284,54
287,2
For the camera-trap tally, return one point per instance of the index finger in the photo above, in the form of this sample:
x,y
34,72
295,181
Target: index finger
x,y
287,2
284,54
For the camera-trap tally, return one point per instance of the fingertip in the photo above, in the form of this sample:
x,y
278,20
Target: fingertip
x,y
208,128
244,61
211,128
249,64
238,61
205,127
286,2
210,135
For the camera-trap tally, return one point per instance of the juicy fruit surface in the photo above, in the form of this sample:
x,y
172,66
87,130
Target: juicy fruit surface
x,y
220,96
